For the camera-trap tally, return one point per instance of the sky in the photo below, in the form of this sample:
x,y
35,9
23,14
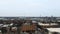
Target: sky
x,y
30,8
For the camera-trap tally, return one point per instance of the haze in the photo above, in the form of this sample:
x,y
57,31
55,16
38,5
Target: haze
x,y
29,7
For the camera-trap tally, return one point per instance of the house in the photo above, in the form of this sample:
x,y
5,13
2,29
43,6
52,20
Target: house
x,y
28,27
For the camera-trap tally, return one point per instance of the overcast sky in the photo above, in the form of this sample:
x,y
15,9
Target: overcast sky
x,y
29,7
